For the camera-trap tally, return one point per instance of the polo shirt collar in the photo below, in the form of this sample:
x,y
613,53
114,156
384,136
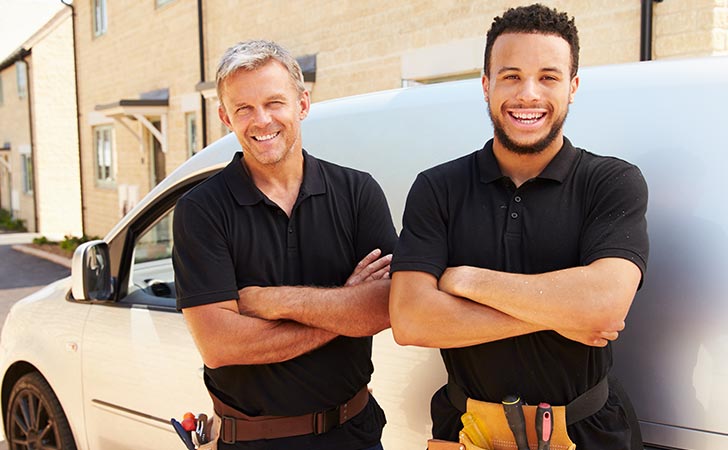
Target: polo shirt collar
x,y
246,193
557,169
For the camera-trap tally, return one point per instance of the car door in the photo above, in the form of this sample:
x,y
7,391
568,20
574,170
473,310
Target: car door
x,y
140,365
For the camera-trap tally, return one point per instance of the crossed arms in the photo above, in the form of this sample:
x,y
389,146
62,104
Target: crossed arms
x,y
470,305
274,324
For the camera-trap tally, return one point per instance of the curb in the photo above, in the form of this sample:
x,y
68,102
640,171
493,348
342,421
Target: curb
x,y
41,254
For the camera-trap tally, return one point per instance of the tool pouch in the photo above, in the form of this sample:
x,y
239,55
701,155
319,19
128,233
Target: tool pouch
x,y
492,424
213,431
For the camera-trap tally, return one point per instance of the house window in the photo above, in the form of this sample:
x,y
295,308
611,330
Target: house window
x,y
21,72
191,120
104,154
99,7
27,161
162,2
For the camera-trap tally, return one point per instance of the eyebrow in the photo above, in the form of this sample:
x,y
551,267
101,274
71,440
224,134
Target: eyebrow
x,y
518,69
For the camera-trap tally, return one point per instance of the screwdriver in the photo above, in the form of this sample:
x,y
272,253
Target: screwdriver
x,y
544,425
477,433
513,409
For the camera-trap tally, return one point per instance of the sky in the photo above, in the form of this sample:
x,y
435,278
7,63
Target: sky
x,y
20,19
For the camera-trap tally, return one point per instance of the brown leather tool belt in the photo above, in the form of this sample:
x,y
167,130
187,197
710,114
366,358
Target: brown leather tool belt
x,y
237,426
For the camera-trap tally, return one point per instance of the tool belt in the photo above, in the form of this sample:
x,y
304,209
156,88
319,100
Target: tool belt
x,y
488,422
578,409
237,426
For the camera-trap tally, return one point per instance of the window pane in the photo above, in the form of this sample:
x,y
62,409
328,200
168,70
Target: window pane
x,y
21,70
99,17
104,154
191,134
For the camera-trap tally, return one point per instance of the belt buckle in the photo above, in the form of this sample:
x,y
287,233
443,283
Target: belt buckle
x,y
324,421
223,430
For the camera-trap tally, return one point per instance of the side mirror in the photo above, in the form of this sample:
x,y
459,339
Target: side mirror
x,y
91,272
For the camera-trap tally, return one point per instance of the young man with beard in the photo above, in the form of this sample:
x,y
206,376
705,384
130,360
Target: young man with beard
x,y
266,271
520,261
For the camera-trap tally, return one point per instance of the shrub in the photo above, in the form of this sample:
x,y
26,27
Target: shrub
x,y
8,223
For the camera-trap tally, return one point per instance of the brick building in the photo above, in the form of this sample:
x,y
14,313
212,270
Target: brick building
x,y
39,158
146,102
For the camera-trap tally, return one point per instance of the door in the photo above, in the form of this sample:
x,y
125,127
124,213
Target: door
x,y
140,365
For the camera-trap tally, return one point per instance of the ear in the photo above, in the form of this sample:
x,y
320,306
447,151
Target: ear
x,y
573,88
484,81
223,115
305,104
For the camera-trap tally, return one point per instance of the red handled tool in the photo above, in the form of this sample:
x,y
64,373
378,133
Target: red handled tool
x,y
544,425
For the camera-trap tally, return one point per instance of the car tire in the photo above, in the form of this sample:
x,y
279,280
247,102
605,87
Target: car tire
x,y
35,418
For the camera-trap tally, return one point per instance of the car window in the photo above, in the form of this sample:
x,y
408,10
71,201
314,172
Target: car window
x,y
151,280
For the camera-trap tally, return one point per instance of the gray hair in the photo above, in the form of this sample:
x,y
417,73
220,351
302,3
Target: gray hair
x,y
250,55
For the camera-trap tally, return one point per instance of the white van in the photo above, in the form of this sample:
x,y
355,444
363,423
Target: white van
x,y
116,354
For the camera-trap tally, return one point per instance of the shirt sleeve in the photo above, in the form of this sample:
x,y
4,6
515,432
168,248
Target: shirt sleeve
x,y
616,225
203,266
422,244
374,221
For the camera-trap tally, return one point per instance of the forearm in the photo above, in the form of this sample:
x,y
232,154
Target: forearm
x,y
359,310
424,316
590,298
225,337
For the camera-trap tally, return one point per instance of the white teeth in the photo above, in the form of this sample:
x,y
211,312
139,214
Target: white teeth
x,y
527,116
265,137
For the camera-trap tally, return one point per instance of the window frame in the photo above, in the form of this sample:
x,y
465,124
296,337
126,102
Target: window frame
x,y
107,134
99,17
192,133
26,162
21,78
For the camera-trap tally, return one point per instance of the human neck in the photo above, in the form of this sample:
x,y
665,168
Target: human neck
x,y
520,167
280,182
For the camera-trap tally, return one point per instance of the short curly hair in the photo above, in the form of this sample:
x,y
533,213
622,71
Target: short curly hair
x,y
537,19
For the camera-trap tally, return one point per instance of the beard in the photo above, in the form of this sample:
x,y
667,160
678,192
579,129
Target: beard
x,y
529,149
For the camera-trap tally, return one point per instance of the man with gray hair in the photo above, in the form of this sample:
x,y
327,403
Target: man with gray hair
x,y
282,271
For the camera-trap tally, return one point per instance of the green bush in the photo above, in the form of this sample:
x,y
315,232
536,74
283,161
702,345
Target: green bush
x,y
70,243
8,223
42,241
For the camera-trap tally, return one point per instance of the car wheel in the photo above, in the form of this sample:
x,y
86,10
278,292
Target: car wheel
x,y
35,419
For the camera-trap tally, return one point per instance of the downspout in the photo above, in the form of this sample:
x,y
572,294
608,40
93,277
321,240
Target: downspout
x,y
646,20
203,102
78,118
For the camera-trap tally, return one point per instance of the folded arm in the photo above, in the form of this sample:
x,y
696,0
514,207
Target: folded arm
x,y
587,303
360,308
424,316
225,337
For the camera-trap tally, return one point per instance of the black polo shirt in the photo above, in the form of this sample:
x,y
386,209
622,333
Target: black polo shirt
x,y
229,235
581,208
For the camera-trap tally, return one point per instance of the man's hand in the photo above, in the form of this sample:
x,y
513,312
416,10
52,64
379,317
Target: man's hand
x,y
372,267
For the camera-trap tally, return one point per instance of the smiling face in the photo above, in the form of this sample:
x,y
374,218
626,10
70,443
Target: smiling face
x,y
264,109
528,90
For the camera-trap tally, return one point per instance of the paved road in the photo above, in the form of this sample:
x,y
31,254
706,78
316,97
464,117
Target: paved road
x,y
20,275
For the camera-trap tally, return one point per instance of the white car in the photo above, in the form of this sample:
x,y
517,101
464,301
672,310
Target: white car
x,y
102,359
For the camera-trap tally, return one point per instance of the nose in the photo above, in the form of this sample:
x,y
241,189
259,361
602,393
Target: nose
x,y
528,91
261,117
